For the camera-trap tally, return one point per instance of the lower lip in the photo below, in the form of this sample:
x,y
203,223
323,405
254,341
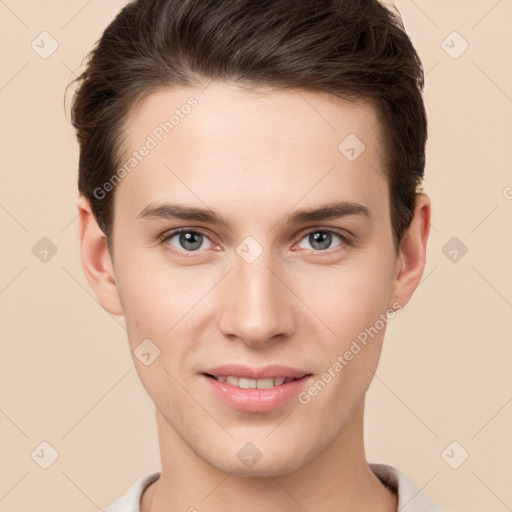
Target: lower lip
x,y
256,400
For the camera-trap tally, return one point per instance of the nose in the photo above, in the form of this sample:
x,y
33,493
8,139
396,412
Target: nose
x,y
257,307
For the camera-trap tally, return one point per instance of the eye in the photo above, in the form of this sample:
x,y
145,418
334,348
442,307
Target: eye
x,y
187,240
322,239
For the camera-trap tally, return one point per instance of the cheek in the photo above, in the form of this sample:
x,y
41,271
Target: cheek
x,y
164,304
156,300
352,297
148,288
353,302
354,306
147,297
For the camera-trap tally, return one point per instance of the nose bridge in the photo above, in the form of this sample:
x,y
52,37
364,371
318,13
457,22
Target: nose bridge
x,y
257,307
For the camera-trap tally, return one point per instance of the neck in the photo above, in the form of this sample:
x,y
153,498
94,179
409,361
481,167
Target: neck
x,y
338,479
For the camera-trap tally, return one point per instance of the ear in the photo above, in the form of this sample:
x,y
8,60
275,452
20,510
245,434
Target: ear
x,y
96,259
412,254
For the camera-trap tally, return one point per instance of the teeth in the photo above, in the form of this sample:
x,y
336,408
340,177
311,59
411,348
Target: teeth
x,y
242,382
232,380
246,383
268,383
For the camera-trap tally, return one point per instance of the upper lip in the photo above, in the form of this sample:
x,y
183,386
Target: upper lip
x,y
265,372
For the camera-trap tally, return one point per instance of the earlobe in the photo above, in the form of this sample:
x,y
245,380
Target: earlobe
x,y
412,254
96,259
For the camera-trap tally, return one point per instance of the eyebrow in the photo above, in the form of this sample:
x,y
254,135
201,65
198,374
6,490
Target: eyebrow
x,y
323,212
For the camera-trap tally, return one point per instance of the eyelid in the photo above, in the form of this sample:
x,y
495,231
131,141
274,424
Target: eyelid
x,y
172,232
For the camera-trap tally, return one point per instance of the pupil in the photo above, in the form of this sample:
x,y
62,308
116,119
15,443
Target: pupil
x,y
322,239
190,240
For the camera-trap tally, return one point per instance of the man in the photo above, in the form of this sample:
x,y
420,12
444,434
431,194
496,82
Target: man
x,y
250,201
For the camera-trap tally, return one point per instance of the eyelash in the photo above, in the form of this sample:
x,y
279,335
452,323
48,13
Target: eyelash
x,y
168,235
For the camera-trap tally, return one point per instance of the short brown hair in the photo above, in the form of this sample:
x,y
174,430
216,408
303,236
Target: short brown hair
x,y
353,49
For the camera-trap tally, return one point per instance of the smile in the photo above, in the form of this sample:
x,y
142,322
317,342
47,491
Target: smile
x,y
247,383
255,389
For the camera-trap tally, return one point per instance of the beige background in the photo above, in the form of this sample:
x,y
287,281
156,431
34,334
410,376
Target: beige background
x,y
67,377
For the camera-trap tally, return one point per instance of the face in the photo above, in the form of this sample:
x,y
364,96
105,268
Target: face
x,y
252,244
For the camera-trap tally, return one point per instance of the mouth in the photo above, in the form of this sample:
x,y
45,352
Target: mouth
x,y
248,383
255,390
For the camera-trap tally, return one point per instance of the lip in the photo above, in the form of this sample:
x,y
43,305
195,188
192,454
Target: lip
x,y
266,372
255,400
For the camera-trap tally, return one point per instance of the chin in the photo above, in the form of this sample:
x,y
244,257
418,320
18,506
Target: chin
x,y
250,462
261,469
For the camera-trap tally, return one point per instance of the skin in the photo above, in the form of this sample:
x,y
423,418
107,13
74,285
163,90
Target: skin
x,y
254,158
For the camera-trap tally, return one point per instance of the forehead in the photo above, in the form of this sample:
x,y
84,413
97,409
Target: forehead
x,y
289,116
262,143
